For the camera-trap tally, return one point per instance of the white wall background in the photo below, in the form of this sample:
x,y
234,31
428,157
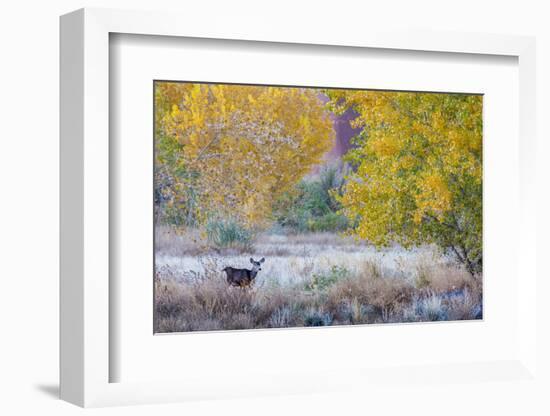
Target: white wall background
x,y
29,196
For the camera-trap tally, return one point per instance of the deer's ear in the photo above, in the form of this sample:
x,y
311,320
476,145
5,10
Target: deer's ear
x,y
262,260
251,260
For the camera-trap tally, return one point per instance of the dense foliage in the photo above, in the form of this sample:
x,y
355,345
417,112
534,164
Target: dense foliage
x,y
312,205
231,150
417,174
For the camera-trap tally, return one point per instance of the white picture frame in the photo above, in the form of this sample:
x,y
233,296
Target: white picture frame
x,y
85,182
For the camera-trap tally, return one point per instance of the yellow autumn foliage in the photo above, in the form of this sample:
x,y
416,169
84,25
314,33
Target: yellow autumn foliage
x,y
418,169
236,148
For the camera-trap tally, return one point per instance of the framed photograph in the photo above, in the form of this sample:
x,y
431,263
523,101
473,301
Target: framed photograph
x,y
284,212
279,207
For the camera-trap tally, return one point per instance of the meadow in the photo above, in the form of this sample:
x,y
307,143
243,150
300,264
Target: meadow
x,y
281,207
312,279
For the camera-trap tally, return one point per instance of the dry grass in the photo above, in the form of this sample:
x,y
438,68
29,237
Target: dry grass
x,y
171,241
368,298
314,279
370,293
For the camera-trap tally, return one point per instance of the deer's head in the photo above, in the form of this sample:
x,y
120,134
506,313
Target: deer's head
x,y
256,265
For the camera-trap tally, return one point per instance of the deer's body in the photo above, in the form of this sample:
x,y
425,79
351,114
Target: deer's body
x,y
243,277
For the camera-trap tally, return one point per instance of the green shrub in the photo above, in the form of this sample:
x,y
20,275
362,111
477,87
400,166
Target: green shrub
x,y
321,281
312,206
228,234
328,222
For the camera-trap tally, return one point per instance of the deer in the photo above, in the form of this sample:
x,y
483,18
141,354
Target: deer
x,y
243,278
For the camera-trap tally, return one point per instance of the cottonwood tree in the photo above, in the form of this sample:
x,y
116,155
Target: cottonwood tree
x,y
418,170
234,149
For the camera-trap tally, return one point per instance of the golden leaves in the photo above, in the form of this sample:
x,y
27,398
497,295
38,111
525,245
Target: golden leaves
x,y
433,197
242,146
417,159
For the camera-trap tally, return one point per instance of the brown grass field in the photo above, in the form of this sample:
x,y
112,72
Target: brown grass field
x,y
313,279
